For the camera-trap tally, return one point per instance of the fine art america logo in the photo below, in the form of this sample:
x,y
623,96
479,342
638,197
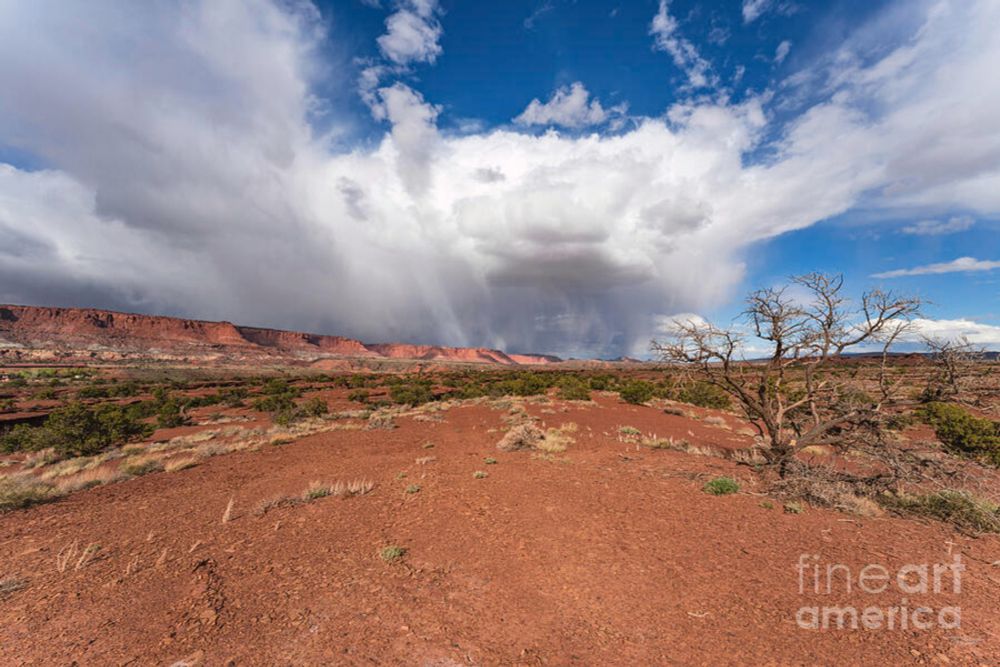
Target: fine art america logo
x,y
836,582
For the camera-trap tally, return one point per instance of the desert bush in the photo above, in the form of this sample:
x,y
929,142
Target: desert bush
x,y
958,508
77,430
573,389
413,488
170,414
963,433
480,474
416,392
315,407
721,486
521,436
359,396
637,392
704,395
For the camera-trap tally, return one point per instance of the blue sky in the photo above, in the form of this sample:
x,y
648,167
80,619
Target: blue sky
x,y
548,176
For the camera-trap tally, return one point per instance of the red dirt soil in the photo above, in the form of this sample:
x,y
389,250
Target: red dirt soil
x,y
84,333
606,554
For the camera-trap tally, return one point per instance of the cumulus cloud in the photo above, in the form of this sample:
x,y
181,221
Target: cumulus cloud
x,y
977,333
569,106
182,176
666,37
960,265
412,33
940,227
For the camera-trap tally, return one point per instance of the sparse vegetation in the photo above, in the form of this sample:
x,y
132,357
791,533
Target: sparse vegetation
x,y
480,474
413,488
959,508
19,491
392,553
721,486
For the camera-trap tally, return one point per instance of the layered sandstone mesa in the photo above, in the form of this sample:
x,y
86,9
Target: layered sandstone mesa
x,y
62,331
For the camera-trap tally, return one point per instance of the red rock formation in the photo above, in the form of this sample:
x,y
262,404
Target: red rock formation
x,y
29,330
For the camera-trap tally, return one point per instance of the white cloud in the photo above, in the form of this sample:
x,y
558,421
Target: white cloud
x,y
189,181
569,106
752,9
782,51
940,227
960,265
977,333
667,37
412,33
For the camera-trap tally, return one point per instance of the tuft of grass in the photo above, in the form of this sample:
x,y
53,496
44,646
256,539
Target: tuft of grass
x,y
413,488
428,445
392,553
767,504
316,490
721,486
480,474
19,491
490,461
174,465
10,585
138,466
793,507
959,508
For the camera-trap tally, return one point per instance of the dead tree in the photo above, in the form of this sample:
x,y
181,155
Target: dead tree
x,y
955,359
798,393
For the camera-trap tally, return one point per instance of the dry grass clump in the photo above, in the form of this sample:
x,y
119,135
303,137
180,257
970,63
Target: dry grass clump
x,y
66,468
379,421
521,436
712,420
424,460
140,465
315,491
629,434
40,458
183,463
89,478
18,491
959,508
814,488
557,439
10,585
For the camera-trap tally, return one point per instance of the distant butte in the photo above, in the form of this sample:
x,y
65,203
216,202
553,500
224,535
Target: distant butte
x,y
36,334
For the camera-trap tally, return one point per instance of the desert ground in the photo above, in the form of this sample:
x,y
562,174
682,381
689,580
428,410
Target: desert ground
x,y
388,527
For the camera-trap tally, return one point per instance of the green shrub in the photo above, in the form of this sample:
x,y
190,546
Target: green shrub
x,y
574,389
704,395
416,393
77,430
315,407
963,433
721,486
637,392
169,414
359,396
